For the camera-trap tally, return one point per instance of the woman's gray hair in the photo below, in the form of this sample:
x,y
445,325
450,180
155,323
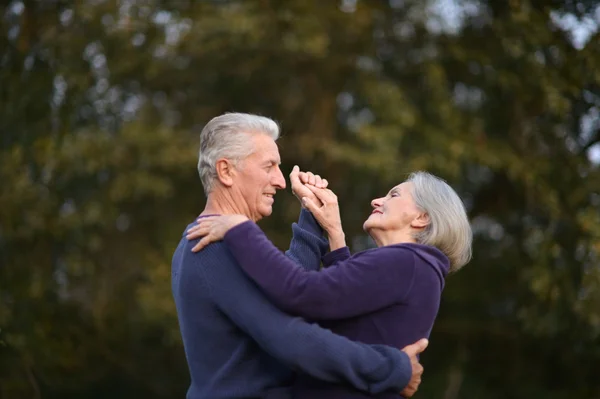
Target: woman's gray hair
x,y
229,136
449,229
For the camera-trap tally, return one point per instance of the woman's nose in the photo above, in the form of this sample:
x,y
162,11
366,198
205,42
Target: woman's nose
x,y
376,202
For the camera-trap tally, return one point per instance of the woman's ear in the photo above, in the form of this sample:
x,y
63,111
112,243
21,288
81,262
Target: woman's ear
x,y
421,221
225,171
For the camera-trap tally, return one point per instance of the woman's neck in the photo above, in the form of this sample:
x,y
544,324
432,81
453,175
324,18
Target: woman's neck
x,y
383,238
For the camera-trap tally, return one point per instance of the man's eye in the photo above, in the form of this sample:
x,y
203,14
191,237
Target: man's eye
x,y
395,195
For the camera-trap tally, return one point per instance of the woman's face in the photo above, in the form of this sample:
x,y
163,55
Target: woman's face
x,y
394,213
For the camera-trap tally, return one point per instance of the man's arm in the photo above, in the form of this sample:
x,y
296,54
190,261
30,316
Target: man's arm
x,y
308,245
361,284
302,346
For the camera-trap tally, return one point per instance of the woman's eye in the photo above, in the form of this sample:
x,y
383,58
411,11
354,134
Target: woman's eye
x,y
395,194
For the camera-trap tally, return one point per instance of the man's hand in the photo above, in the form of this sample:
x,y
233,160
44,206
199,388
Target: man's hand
x,y
417,370
299,180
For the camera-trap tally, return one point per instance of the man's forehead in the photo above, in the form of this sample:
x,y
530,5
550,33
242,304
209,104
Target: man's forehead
x,y
266,148
273,159
270,155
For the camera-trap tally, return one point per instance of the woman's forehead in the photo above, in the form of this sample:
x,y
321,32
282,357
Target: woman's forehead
x,y
402,187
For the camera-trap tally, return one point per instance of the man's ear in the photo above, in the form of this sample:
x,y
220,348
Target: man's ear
x,y
421,221
225,171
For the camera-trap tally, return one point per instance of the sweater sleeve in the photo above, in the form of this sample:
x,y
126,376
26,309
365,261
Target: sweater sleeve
x,y
338,255
308,244
360,284
298,344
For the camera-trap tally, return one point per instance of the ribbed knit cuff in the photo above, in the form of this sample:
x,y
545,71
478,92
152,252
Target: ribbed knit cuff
x,y
308,222
401,371
334,256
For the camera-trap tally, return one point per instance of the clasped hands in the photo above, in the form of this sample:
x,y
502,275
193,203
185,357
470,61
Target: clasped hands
x,y
310,189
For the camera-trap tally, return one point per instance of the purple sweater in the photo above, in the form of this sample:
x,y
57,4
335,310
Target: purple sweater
x,y
388,295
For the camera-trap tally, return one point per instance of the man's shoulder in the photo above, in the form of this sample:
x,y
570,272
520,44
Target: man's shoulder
x,y
216,252
212,265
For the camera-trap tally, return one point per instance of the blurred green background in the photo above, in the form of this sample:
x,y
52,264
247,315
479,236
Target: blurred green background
x,y
102,103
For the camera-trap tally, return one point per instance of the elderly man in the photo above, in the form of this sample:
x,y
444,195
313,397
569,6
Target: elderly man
x,y
238,344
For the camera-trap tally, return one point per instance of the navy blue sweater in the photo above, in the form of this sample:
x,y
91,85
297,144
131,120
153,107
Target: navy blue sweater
x,y
239,345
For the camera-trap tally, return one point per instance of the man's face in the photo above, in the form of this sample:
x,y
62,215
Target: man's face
x,y
258,177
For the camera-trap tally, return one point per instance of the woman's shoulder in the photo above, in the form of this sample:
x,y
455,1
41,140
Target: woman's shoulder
x,y
393,252
418,253
429,255
396,249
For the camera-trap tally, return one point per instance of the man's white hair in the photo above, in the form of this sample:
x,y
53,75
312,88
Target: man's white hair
x,y
229,136
449,229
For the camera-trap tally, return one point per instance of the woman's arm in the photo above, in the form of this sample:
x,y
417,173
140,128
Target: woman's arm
x,y
358,285
338,255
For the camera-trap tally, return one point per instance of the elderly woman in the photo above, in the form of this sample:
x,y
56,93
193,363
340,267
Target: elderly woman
x,y
387,295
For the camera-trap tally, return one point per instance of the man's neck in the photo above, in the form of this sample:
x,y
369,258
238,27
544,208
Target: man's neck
x,y
220,202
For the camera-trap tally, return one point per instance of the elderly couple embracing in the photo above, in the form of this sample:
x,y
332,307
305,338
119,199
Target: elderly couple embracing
x,y
316,321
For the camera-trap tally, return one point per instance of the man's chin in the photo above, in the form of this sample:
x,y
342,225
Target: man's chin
x,y
266,212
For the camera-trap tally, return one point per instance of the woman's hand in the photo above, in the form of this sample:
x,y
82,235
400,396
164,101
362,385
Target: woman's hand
x,y
213,228
299,181
327,214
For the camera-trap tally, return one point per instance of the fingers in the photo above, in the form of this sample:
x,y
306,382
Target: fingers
x,y
408,392
416,348
197,231
202,229
417,369
307,178
303,178
310,205
203,243
415,381
295,175
318,181
324,194
422,345
312,179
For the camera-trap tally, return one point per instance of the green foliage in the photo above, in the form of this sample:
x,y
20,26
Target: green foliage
x,y
102,103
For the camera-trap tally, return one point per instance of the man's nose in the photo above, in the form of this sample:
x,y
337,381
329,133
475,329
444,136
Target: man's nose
x,y
279,180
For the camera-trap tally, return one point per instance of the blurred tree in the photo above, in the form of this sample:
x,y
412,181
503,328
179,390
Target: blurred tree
x,y
102,103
